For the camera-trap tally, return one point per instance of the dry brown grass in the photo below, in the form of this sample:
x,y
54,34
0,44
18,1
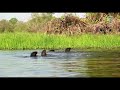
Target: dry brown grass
x,y
99,28
72,25
68,25
115,26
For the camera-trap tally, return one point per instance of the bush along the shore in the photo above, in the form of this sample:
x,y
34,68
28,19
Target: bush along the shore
x,y
94,23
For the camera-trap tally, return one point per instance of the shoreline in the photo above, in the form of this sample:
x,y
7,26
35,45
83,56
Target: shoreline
x,y
72,49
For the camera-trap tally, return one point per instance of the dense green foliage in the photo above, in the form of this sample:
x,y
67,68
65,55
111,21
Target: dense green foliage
x,y
32,25
38,41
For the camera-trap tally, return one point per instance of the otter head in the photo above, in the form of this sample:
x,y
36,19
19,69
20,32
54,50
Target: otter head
x,y
43,53
67,49
34,54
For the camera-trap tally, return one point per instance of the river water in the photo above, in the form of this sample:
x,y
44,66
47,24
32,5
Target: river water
x,y
17,63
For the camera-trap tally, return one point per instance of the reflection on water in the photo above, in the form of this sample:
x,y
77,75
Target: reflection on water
x,y
98,64
60,64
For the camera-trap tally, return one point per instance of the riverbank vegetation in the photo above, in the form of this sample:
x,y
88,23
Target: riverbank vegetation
x,y
23,41
97,30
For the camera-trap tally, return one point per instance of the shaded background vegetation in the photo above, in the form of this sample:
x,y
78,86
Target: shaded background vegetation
x,y
97,23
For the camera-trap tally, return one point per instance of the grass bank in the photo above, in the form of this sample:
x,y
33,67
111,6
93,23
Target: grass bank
x,y
37,41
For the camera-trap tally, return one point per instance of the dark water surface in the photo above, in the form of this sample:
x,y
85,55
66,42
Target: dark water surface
x,y
17,63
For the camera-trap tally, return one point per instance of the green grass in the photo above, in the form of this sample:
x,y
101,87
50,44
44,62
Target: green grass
x,y
40,41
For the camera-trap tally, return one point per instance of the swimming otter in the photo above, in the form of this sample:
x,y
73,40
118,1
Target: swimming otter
x,y
43,53
52,50
34,54
67,49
